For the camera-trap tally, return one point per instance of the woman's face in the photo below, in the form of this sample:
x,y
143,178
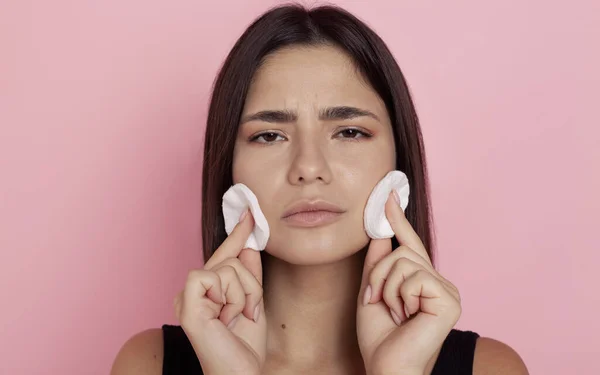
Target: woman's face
x,y
313,131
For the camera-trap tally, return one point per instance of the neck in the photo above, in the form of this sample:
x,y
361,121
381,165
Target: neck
x,y
311,312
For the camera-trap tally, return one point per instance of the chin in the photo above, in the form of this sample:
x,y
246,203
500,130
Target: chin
x,y
315,246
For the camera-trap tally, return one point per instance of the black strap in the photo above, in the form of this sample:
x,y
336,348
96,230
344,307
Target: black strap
x,y
457,354
179,356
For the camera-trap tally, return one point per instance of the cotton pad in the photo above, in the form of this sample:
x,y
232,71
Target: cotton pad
x,y
235,200
376,224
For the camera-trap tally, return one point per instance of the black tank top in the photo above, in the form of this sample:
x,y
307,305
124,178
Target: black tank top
x,y
456,356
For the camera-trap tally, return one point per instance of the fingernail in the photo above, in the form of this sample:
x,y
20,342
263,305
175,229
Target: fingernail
x,y
243,215
406,311
367,296
233,321
396,318
256,313
397,198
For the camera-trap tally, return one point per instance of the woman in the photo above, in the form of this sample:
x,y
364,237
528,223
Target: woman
x,y
310,111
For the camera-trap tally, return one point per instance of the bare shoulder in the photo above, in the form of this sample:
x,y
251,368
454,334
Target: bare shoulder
x,y
141,354
493,357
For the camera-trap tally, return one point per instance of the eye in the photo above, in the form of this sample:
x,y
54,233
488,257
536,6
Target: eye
x,y
353,133
266,137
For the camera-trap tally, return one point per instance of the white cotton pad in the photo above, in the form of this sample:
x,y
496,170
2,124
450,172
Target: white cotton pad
x,y
376,224
235,200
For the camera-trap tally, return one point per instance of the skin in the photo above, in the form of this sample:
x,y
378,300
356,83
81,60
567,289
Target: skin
x,y
334,303
312,158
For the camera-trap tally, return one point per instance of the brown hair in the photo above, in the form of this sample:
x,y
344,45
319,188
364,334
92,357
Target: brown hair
x,y
295,25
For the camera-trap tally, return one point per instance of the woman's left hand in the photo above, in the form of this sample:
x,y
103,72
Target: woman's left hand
x,y
397,284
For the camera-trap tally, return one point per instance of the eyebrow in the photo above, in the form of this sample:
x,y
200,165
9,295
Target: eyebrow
x,y
327,114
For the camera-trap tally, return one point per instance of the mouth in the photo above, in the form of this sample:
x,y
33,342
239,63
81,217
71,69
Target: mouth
x,y
308,214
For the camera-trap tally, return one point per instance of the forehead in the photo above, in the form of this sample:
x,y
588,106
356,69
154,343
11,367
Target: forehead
x,y
322,75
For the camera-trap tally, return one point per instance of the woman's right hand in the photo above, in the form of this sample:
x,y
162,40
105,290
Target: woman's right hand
x,y
221,309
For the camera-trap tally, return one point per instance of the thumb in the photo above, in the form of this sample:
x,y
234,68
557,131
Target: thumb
x,y
251,260
378,249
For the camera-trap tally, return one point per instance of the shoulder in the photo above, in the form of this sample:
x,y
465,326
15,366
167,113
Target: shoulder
x,y
141,354
493,357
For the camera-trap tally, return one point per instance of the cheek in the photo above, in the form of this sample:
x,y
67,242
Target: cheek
x,y
359,172
253,164
244,167
263,177
363,167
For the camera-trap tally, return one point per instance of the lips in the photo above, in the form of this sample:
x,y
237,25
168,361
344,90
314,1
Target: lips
x,y
312,206
310,214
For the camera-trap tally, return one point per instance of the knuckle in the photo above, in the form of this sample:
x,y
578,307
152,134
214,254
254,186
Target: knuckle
x,y
422,274
453,287
258,293
458,296
236,288
390,296
403,264
227,271
402,250
232,262
375,277
195,274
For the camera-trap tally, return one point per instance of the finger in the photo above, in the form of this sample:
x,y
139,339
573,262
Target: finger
x,y
234,294
439,312
234,243
421,291
378,249
201,283
402,269
405,234
253,291
251,260
202,295
380,272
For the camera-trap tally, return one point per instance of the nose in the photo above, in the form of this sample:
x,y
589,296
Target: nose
x,y
309,163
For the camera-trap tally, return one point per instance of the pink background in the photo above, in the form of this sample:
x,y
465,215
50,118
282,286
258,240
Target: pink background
x,y
102,109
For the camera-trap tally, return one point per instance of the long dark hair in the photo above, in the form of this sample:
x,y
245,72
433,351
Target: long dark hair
x,y
296,25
